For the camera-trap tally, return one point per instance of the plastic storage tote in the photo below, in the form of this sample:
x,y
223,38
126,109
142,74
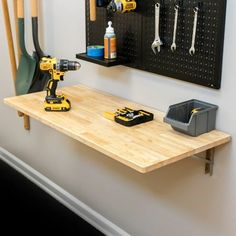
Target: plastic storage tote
x,y
192,117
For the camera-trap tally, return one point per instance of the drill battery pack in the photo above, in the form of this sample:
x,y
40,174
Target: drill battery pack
x,y
58,104
129,117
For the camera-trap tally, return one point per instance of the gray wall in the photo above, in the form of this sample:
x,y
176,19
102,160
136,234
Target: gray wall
x,y
175,200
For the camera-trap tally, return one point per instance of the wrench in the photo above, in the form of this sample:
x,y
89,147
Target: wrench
x,y
173,46
192,49
157,43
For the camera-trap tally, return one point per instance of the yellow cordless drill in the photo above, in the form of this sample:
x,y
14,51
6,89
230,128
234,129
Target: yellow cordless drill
x,y
122,6
56,68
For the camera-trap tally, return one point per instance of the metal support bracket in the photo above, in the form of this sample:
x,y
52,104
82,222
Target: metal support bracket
x,y
209,160
210,157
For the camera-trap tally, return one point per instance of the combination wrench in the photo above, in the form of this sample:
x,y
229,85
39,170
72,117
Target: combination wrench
x,y
157,43
173,46
192,49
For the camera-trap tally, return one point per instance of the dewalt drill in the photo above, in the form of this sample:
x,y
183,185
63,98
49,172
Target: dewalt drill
x,y
122,6
56,68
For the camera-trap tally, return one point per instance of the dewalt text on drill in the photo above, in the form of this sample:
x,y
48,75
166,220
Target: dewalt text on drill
x,y
56,68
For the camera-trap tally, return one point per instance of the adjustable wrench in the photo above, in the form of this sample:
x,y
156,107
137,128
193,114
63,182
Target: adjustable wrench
x,y
192,49
173,46
157,43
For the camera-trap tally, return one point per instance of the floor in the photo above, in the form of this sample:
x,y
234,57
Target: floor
x,y
26,209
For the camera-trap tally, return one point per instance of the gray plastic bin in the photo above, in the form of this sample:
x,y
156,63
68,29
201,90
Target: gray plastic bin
x,y
182,119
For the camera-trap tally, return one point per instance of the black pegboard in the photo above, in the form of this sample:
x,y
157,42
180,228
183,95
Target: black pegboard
x,y
136,30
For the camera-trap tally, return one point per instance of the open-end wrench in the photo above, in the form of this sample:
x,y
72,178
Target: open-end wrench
x,y
192,49
157,43
173,46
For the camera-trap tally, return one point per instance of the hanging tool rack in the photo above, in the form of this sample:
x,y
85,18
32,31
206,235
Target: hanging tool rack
x,y
135,33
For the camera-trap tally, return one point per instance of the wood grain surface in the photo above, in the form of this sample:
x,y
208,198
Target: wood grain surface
x,y
145,147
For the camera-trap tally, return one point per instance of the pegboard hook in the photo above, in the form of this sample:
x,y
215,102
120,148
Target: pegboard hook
x,y
199,5
178,4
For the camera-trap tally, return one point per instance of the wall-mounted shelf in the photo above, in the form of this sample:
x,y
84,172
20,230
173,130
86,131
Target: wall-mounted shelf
x,y
100,61
144,148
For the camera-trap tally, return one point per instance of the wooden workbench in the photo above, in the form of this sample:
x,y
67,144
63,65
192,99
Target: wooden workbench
x,y
144,148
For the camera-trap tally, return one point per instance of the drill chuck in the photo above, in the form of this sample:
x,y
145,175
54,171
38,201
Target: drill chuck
x,y
65,65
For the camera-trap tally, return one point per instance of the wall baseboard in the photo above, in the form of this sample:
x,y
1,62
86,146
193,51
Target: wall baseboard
x,y
75,205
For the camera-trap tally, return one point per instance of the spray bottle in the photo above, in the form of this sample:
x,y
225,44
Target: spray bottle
x,y
110,51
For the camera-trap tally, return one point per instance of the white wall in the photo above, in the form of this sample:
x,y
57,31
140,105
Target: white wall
x,y
175,200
